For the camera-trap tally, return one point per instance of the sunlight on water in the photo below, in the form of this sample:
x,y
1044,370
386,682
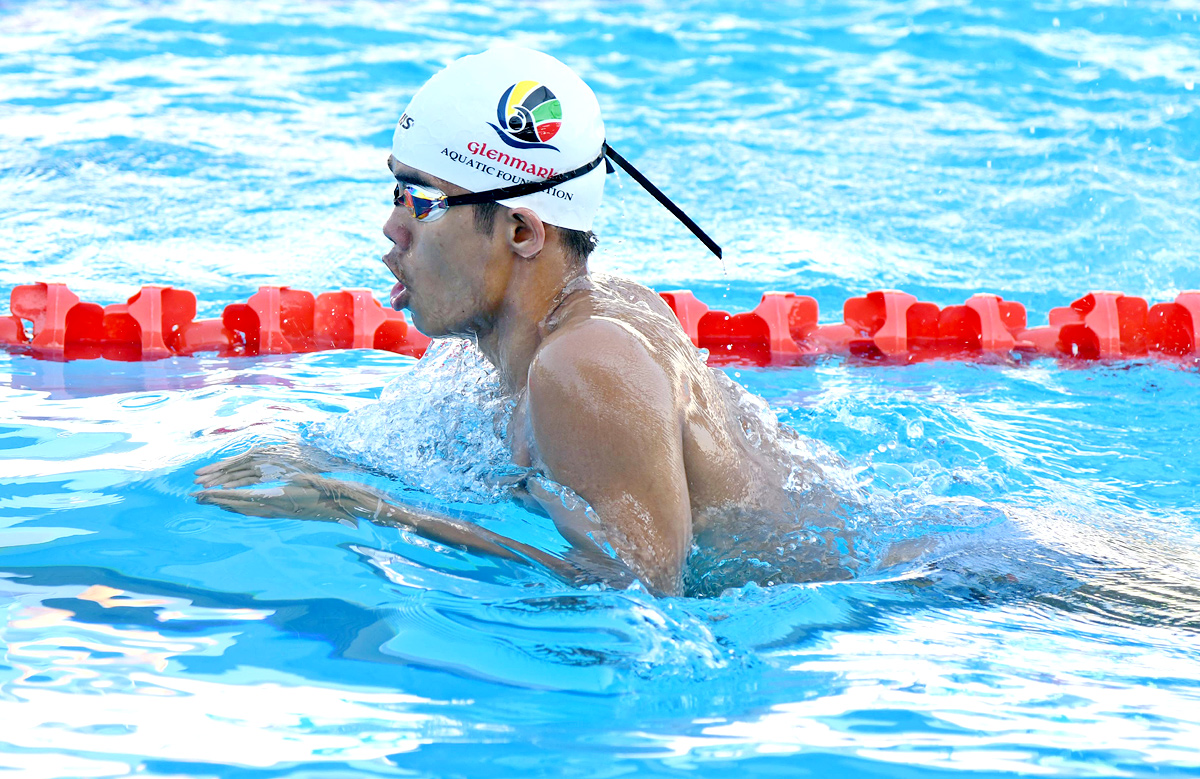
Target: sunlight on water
x,y
1053,625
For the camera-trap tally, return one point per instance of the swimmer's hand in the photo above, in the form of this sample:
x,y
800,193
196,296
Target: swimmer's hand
x,y
307,496
304,496
277,462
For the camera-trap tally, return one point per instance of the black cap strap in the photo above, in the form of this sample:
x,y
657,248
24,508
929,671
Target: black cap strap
x,y
528,188
666,201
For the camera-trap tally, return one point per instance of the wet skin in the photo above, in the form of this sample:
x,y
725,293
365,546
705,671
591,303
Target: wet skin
x,y
613,401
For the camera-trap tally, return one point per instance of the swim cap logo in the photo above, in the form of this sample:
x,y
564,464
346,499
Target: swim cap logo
x,y
529,115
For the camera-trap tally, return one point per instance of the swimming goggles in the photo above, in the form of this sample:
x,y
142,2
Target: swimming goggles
x,y
429,204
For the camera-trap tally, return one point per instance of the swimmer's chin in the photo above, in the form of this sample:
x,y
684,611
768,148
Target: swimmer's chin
x,y
402,299
434,329
421,325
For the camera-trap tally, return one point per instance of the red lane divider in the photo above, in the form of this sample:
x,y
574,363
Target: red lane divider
x,y
885,325
1100,325
61,323
1174,328
160,322
146,322
987,324
354,319
894,326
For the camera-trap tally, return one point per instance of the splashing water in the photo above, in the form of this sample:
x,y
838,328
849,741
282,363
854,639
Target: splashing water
x,y
441,427
1033,150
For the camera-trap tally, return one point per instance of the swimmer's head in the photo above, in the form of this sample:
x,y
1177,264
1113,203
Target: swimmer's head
x,y
506,117
509,117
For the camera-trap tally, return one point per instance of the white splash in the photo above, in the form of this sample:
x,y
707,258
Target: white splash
x,y
440,427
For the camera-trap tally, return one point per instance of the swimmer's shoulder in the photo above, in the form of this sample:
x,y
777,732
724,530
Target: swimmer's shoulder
x,y
601,295
596,355
592,342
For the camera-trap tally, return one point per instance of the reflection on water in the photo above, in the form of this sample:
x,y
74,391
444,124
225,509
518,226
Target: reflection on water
x,y
1035,620
117,672
944,149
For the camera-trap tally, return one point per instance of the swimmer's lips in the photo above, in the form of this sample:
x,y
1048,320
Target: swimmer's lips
x,y
399,296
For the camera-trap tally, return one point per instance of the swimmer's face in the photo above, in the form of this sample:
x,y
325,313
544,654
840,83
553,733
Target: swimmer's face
x,y
447,267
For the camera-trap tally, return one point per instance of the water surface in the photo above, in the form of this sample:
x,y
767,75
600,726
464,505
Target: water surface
x,y
944,148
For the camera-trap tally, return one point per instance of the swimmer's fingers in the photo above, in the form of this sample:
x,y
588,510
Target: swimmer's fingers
x,y
223,473
253,503
288,502
350,498
237,475
224,476
221,464
272,451
268,463
321,497
234,483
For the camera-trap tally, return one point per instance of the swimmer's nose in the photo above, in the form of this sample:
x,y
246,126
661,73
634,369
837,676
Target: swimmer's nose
x,y
396,232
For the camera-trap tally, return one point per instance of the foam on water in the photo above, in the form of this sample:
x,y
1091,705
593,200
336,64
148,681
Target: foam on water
x,y
441,427
939,147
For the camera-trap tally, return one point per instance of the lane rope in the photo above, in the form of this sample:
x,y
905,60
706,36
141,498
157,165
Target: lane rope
x,y
48,321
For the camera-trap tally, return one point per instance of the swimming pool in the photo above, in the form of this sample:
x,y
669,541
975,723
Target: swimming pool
x,y
941,148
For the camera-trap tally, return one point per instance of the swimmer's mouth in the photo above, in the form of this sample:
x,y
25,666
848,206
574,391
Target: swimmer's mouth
x,y
399,296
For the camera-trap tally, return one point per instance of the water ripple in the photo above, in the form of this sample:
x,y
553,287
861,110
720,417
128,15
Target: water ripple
x,y
941,147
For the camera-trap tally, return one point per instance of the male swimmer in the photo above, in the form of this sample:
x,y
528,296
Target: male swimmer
x,y
500,161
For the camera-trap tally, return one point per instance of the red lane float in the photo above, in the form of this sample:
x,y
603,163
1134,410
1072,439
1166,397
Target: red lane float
x,y
893,326
783,329
160,322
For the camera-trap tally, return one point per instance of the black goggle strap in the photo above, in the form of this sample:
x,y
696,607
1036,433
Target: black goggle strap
x,y
518,190
660,197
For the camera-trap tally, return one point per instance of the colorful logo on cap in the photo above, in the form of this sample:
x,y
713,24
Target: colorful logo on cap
x,y
529,115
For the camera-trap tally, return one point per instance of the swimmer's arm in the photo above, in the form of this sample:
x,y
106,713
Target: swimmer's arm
x,y
307,496
605,424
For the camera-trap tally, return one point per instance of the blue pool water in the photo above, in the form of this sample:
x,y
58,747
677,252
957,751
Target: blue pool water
x,y
941,147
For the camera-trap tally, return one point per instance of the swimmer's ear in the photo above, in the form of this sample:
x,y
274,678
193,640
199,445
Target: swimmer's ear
x,y
526,233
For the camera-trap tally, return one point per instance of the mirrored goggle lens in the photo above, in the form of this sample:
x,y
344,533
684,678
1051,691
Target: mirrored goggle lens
x,y
425,205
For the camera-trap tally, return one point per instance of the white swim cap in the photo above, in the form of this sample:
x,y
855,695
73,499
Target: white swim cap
x,y
509,116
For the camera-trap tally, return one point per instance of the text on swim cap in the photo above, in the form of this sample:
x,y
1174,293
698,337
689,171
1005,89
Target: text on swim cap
x,y
510,160
492,170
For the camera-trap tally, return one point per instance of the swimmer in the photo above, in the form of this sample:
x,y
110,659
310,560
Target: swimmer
x,y
499,162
